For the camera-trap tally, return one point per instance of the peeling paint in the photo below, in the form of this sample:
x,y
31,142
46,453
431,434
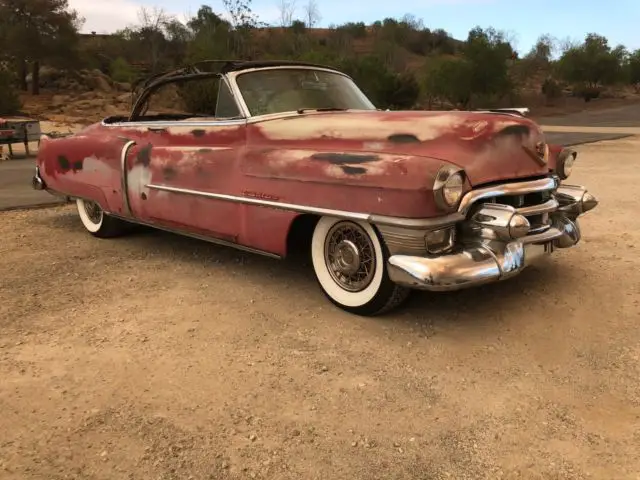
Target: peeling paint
x,y
64,163
169,173
403,138
341,158
144,155
353,170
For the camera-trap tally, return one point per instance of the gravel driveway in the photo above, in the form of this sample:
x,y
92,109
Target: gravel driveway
x,y
160,357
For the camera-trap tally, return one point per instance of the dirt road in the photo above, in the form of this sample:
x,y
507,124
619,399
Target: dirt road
x,y
160,357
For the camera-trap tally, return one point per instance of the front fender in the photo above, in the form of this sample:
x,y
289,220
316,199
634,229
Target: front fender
x,y
371,182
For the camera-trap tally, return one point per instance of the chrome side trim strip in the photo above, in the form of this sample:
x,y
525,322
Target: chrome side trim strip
x,y
412,223
123,177
198,236
177,123
516,188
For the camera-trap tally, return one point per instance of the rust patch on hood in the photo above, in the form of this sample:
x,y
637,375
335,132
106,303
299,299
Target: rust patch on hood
x,y
403,138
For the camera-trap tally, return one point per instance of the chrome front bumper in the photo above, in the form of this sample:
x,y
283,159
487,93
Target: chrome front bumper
x,y
489,259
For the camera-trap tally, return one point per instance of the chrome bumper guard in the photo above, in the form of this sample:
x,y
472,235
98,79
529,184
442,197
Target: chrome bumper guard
x,y
485,255
36,182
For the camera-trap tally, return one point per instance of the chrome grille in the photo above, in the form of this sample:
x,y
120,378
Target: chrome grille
x,y
535,205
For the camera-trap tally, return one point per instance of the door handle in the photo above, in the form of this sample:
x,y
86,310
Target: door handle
x,y
157,129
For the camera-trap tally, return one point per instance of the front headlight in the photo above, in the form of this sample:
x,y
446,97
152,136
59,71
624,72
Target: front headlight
x,y
448,187
565,161
452,190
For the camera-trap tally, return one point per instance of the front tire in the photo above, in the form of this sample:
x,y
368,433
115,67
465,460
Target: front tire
x,y
97,222
350,263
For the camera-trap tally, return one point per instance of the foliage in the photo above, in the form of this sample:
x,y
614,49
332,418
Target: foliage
x,y
592,65
450,78
633,68
395,61
200,97
9,99
551,89
121,71
481,72
36,31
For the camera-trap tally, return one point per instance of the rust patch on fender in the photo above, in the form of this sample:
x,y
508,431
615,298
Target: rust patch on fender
x,y
64,163
77,166
144,155
169,173
342,158
403,138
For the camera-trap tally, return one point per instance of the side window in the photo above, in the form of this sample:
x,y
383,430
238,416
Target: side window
x,y
226,107
202,97
179,100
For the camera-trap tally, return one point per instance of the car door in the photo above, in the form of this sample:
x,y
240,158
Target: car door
x,y
177,171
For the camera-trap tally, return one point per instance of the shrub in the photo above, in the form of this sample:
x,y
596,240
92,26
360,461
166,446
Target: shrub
x,y
9,98
121,71
551,89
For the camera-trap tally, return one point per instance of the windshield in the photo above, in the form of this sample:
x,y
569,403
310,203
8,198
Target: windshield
x,y
289,89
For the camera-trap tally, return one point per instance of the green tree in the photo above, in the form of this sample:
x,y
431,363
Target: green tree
x,y
633,66
9,99
450,79
36,31
489,54
482,71
591,65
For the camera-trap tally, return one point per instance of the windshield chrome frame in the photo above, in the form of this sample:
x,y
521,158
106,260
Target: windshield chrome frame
x,y
237,93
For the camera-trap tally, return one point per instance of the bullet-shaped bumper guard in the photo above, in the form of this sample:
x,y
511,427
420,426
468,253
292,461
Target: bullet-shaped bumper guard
x,y
484,261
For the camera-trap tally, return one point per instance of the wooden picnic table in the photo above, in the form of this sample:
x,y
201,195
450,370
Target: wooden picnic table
x,y
18,130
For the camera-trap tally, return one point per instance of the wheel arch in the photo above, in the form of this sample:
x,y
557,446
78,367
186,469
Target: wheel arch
x,y
299,234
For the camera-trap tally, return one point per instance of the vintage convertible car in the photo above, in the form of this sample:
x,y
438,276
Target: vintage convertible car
x,y
271,156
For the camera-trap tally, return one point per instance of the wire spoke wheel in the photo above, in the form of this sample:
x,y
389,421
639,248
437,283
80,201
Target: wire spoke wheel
x,y
93,211
350,256
350,263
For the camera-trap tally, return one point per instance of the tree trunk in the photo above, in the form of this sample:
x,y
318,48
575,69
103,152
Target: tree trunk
x,y
22,74
35,78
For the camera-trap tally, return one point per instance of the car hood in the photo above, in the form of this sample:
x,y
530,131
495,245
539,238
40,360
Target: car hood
x,y
489,147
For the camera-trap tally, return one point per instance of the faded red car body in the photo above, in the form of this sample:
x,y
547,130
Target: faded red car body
x,y
378,162
397,199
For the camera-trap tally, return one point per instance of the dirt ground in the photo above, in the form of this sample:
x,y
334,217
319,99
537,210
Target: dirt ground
x,y
160,357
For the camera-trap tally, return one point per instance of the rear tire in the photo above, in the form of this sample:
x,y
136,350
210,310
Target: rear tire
x,y
350,263
97,222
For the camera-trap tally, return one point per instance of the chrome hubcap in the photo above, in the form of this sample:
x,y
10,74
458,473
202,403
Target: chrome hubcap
x,y
350,256
93,211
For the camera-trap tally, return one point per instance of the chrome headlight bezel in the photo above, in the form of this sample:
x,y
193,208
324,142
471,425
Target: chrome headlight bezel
x,y
564,163
448,188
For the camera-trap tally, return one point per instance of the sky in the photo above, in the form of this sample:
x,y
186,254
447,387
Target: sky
x,y
523,21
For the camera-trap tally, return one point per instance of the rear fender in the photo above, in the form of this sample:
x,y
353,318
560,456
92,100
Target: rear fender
x,y
83,166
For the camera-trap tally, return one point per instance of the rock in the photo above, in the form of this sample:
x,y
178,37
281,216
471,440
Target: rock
x,y
59,100
122,86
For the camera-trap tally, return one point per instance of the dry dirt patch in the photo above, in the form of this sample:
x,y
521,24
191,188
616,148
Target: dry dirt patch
x,y
156,356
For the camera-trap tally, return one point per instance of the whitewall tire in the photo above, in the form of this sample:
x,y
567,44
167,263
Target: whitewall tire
x,y
350,263
97,222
